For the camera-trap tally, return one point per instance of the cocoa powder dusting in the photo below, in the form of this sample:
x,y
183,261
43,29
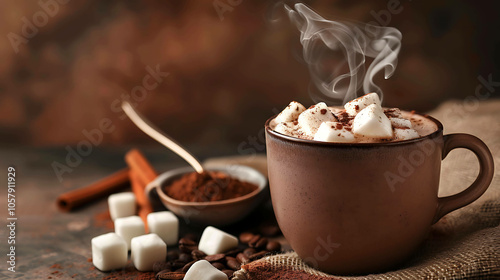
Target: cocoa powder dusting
x,y
208,186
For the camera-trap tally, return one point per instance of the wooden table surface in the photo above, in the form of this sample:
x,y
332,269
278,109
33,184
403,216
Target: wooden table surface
x,y
54,245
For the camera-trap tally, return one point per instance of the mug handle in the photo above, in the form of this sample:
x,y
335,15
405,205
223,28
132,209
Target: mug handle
x,y
483,180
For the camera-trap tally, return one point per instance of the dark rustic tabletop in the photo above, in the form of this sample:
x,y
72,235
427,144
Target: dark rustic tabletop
x,y
50,244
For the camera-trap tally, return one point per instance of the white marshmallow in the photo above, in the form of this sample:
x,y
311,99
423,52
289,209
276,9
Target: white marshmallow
x,y
353,107
215,241
405,134
146,250
166,225
121,205
372,122
400,122
286,128
328,132
129,227
109,251
291,112
311,119
204,270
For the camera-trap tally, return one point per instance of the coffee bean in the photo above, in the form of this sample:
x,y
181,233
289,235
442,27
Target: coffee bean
x,y
215,258
186,241
254,240
198,255
273,246
188,266
269,230
183,257
168,275
228,272
232,263
249,251
159,266
219,266
242,258
172,255
233,252
261,243
258,255
178,264
245,237
187,248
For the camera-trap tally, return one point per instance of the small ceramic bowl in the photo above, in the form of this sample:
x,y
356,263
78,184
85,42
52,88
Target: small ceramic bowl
x,y
216,213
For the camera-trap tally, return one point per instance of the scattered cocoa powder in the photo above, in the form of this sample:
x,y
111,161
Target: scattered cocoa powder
x,y
208,186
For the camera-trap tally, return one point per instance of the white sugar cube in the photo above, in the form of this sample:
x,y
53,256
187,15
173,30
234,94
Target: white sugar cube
x,y
372,122
333,132
129,227
121,205
166,225
204,270
405,134
146,250
355,106
400,122
109,251
291,112
311,119
215,241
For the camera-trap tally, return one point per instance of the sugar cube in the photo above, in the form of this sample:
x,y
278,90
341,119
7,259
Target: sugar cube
x,y
121,205
129,227
215,241
109,251
204,270
165,224
146,250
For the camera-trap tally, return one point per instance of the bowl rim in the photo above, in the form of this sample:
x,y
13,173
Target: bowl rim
x,y
160,180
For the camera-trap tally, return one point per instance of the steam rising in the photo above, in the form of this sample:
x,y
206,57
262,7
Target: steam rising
x,y
336,82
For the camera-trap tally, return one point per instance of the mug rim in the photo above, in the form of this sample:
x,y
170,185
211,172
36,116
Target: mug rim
x,y
293,139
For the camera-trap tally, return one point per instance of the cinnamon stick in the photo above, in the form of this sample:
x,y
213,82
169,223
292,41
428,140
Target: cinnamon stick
x,y
141,173
141,166
102,188
138,189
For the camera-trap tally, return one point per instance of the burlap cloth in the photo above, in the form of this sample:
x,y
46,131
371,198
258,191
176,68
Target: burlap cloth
x,y
465,244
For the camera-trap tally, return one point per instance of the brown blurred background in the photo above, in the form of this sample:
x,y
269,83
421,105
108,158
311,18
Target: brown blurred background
x,y
226,75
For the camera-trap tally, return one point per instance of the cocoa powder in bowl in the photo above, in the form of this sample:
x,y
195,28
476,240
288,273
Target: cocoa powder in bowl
x,y
207,186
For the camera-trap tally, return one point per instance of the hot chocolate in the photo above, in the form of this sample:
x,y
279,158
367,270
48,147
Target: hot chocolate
x,y
362,120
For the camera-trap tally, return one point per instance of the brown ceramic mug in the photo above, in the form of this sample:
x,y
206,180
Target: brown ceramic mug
x,y
356,208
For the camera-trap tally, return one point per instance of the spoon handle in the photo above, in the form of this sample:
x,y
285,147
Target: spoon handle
x,y
159,136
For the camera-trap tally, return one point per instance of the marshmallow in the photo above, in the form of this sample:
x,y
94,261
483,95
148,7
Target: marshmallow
x,y
121,205
372,122
146,250
204,270
311,119
329,132
400,123
291,112
109,251
166,225
285,128
129,227
405,134
355,106
215,241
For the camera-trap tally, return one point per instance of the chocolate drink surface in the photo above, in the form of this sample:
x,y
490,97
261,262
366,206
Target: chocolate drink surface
x,y
362,120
